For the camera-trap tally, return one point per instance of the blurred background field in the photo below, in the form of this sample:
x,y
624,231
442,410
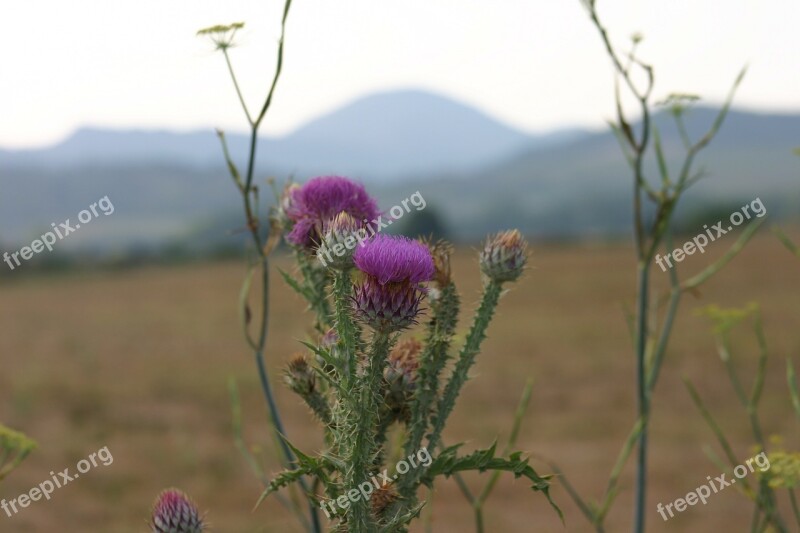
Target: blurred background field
x,y
139,359
127,334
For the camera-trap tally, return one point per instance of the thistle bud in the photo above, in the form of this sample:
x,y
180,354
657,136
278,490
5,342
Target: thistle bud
x,y
174,512
330,338
400,375
330,343
339,241
504,256
388,308
299,376
286,206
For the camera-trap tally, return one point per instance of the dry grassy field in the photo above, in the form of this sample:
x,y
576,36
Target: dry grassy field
x,y
139,361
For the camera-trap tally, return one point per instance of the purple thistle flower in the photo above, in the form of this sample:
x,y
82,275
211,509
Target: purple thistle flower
x,y
174,512
388,299
310,207
392,259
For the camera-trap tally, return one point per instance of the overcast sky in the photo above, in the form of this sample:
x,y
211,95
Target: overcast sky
x,y
535,64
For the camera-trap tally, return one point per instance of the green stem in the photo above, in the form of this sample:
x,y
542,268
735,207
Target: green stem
x,y
479,518
345,325
365,413
642,394
466,359
432,362
795,508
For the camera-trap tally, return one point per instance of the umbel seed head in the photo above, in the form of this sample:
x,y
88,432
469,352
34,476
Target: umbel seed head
x,y
174,512
504,256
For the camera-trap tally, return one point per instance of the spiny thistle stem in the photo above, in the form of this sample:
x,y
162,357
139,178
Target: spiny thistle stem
x,y
345,325
365,414
477,333
432,361
315,281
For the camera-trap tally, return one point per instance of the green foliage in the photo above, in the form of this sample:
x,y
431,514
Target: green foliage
x,y
14,448
448,463
353,371
784,468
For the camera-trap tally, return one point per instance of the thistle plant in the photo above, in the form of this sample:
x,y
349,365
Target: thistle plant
x,y
655,200
14,448
784,467
174,512
371,375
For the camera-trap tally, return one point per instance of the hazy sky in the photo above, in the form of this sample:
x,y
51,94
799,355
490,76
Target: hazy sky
x,y
535,64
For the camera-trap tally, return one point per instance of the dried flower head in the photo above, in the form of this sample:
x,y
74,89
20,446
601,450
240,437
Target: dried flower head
x,y
388,298
383,498
318,201
174,512
400,375
441,251
504,256
299,375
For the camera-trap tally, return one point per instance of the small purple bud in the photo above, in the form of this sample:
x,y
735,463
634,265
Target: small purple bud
x,y
174,512
340,239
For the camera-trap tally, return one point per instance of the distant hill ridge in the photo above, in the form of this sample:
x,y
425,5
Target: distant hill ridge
x,y
476,173
383,135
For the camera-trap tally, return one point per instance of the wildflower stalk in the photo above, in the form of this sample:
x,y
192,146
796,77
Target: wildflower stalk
x,y
477,333
345,325
651,338
432,362
315,282
765,498
249,194
365,413
479,501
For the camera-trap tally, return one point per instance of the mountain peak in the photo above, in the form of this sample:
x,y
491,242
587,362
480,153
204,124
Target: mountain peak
x,y
410,131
